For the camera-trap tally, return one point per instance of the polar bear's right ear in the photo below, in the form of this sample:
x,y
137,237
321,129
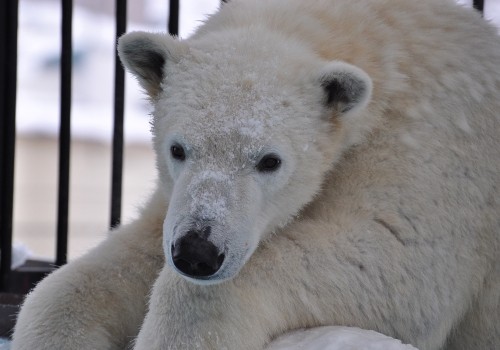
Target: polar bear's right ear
x,y
145,55
347,88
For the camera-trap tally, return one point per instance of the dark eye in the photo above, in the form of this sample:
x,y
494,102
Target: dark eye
x,y
177,152
269,162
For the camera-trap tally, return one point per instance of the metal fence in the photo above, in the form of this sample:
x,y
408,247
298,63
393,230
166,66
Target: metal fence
x,y
15,283
23,278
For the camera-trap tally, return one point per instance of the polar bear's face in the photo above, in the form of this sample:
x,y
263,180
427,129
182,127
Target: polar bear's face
x,y
243,140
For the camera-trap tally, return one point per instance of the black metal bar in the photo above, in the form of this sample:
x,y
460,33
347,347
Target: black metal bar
x,y
64,133
478,5
8,87
117,161
173,17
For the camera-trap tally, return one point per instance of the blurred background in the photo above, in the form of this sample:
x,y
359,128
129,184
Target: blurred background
x,y
35,193
36,163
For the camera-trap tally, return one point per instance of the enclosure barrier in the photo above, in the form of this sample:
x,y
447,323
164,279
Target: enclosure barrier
x,y
15,283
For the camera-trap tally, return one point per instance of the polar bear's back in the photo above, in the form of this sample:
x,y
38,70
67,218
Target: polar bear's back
x,y
403,44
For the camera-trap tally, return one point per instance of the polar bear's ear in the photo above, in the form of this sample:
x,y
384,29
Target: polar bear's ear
x,y
347,88
145,55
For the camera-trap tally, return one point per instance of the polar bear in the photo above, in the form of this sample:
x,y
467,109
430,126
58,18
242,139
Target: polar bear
x,y
324,162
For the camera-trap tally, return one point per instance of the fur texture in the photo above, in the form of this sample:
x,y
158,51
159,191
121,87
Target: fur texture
x,y
382,122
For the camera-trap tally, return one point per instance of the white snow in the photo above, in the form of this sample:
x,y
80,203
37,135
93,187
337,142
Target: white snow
x,y
337,338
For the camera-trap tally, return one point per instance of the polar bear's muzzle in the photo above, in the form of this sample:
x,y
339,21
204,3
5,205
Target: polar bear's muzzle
x,y
193,255
211,227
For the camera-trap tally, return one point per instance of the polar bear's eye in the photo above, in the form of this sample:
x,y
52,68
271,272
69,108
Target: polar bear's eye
x,y
177,152
269,162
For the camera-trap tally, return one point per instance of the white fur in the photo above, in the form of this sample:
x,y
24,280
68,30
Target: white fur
x,y
383,214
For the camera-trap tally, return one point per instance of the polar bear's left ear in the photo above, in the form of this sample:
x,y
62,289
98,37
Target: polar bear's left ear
x,y
145,56
347,88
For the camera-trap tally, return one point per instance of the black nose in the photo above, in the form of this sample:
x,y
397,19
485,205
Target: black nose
x,y
195,256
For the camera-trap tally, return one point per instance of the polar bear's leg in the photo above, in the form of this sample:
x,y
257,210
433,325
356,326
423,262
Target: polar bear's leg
x,y
99,300
353,274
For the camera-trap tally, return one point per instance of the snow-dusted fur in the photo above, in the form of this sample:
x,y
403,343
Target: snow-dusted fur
x,y
383,213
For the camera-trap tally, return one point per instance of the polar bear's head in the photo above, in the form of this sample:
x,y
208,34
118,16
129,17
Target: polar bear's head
x,y
245,128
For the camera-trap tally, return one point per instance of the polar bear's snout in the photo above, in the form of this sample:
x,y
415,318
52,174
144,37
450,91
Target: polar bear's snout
x,y
195,256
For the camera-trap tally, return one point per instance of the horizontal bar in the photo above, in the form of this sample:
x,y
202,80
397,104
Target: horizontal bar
x,y
25,278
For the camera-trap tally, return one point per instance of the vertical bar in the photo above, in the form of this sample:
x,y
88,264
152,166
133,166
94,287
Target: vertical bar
x,y
478,5
117,161
173,18
8,86
64,133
